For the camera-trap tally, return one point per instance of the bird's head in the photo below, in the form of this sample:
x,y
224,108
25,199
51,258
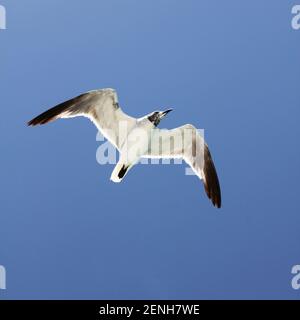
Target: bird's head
x,y
156,116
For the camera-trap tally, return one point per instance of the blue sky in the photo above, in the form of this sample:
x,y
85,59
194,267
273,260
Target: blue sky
x,y
230,67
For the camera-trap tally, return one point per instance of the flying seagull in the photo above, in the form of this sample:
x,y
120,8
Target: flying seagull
x,y
102,108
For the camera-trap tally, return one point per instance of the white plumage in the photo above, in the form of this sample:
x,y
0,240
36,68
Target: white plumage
x,y
139,137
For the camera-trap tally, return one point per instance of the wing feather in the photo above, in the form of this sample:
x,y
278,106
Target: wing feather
x,y
185,142
100,106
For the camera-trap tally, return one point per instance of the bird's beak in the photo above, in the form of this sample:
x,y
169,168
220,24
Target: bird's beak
x,y
164,113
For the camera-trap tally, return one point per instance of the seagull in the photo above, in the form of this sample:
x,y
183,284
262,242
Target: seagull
x,y
142,135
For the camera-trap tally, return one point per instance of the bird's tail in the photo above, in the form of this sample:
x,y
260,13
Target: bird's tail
x,y
120,171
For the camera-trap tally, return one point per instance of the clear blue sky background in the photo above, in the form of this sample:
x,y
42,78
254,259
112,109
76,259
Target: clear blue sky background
x,y
230,67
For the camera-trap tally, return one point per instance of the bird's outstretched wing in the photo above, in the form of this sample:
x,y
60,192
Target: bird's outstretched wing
x,y
185,142
100,106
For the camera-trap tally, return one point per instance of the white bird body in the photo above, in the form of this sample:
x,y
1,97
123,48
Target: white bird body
x,y
136,138
134,147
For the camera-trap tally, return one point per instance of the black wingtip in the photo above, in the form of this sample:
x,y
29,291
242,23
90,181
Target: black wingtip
x,y
211,181
32,123
55,112
47,116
